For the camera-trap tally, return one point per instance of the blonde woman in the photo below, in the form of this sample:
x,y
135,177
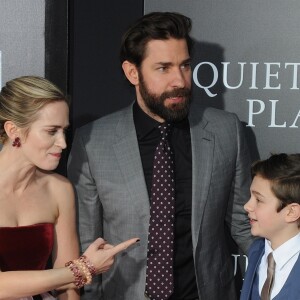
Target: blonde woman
x,y
37,212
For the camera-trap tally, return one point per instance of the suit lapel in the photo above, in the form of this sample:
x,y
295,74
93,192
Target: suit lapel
x,y
250,287
202,143
253,268
127,152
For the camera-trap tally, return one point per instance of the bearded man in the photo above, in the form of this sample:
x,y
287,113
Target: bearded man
x,y
179,199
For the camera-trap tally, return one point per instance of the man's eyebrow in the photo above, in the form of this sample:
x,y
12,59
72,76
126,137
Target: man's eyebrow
x,y
167,64
164,64
188,60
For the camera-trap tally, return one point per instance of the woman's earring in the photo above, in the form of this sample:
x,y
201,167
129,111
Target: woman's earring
x,y
16,142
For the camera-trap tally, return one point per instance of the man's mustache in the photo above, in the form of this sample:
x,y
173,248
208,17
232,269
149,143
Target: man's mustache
x,y
184,92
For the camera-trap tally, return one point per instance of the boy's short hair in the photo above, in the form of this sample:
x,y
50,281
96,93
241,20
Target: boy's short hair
x,y
283,171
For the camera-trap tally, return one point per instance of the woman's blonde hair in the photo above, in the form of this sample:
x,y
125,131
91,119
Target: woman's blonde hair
x,y
22,98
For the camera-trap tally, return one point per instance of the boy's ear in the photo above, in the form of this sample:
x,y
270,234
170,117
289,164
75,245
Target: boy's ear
x,y
131,72
293,213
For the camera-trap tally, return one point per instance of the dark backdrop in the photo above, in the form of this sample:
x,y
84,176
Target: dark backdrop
x,y
56,51
95,84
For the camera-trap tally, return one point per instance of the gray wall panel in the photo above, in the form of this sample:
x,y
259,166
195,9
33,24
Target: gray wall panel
x,y
22,40
262,35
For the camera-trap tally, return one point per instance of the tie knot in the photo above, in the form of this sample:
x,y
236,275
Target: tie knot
x,y
271,261
165,129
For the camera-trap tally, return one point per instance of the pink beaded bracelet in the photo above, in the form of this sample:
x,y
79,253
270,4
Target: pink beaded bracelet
x,y
84,270
89,265
79,280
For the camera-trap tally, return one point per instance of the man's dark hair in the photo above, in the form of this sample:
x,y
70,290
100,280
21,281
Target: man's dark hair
x,y
283,171
153,26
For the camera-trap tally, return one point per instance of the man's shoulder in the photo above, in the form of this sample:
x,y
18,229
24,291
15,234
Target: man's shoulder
x,y
212,117
106,122
214,114
209,112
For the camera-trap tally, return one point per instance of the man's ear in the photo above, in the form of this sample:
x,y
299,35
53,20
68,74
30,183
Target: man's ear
x,y
131,72
293,212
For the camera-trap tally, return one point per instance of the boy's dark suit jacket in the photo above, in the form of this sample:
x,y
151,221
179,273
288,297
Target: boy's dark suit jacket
x,y
291,288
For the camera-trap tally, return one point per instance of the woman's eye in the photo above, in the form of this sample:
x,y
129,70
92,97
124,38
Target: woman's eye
x,y
52,132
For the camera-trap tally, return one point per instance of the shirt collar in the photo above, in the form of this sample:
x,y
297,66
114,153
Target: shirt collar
x,y
144,124
284,252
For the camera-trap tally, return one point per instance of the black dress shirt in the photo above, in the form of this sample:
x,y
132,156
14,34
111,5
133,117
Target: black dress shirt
x,y
148,136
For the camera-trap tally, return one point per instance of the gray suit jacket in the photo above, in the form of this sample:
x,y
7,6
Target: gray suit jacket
x,y
106,170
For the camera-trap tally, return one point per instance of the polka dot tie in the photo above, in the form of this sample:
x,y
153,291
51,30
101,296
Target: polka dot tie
x,y
159,276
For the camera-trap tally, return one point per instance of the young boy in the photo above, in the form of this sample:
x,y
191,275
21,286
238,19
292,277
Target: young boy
x,y
274,212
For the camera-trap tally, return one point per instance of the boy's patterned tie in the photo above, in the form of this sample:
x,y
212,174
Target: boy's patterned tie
x,y
159,276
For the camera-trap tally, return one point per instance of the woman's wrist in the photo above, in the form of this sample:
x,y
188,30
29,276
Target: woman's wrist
x,y
82,270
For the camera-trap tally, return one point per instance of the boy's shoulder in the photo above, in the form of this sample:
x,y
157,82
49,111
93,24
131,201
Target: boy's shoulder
x,y
257,245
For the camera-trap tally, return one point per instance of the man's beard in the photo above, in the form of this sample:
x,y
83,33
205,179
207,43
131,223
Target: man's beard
x,y
174,112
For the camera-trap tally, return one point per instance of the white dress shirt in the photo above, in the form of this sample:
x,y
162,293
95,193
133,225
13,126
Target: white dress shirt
x,y
285,258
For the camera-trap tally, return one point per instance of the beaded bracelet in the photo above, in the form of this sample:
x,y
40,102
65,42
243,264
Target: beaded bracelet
x,y
84,270
89,265
79,280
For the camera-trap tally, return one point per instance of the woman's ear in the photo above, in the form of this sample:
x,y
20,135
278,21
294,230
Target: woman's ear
x,y
131,72
11,130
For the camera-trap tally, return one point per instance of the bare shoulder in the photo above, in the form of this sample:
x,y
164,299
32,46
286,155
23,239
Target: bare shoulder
x,y
57,186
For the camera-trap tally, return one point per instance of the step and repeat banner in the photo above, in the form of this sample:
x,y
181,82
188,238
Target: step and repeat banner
x,y
34,41
22,38
246,60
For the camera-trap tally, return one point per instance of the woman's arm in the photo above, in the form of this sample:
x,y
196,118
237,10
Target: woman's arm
x,y
66,245
17,284
27,283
